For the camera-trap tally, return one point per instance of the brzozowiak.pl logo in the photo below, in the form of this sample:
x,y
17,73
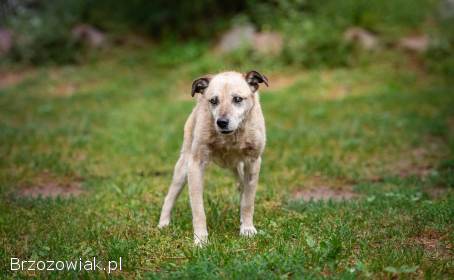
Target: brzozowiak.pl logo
x,y
93,264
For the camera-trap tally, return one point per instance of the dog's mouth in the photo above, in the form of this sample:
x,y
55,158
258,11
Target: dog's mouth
x,y
226,131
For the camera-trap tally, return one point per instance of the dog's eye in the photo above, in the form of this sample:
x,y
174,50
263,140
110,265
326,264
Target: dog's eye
x,y
237,99
214,101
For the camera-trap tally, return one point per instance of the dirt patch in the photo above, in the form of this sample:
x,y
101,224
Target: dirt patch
x,y
420,162
47,185
416,171
337,92
318,188
417,163
324,193
9,79
65,90
434,243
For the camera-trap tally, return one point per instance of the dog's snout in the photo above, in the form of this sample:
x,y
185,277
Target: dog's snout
x,y
222,123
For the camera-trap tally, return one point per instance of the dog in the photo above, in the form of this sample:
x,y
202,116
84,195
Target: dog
x,y
226,127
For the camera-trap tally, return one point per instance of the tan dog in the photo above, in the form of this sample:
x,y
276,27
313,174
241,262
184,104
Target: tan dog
x,y
227,127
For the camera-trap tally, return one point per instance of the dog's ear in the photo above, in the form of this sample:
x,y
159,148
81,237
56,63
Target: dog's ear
x,y
254,78
200,84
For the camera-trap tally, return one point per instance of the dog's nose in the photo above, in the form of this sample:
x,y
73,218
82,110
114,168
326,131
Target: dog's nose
x,y
222,122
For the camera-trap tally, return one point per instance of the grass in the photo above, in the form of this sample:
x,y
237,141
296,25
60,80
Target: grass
x,y
383,129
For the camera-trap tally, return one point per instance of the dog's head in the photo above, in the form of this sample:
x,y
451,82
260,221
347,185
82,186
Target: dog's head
x,y
230,96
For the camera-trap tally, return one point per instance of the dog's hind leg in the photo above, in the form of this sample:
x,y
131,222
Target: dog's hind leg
x,y
178,181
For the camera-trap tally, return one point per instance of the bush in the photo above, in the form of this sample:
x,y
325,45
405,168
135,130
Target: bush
x,y
440,58
158,18
314,29
313,42
43,27
42,31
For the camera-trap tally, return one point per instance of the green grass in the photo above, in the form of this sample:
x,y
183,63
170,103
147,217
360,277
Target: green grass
x,y
375,127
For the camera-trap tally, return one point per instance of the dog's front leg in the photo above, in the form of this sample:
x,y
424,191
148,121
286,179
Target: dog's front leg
x,y
195,181
178,181
251,176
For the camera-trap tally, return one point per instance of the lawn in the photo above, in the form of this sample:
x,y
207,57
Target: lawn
x,y
110,130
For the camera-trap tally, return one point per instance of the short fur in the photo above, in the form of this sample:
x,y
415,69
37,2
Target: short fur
x,y
238,146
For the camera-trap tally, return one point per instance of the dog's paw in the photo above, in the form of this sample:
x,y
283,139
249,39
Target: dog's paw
x,y
163,224
200,240
247,231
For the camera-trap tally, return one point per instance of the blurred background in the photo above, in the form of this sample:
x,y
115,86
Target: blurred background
x,y
304,33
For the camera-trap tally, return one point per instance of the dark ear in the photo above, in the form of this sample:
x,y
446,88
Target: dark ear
x,y
200,84
254,78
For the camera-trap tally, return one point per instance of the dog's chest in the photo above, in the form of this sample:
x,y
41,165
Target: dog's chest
x,y
229,152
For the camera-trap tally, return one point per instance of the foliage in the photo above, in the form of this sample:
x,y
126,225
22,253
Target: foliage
x,y
312,29
43,27
159,18
42,33
440,57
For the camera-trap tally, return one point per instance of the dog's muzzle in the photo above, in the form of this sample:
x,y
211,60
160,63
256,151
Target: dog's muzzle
x,y
223,125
